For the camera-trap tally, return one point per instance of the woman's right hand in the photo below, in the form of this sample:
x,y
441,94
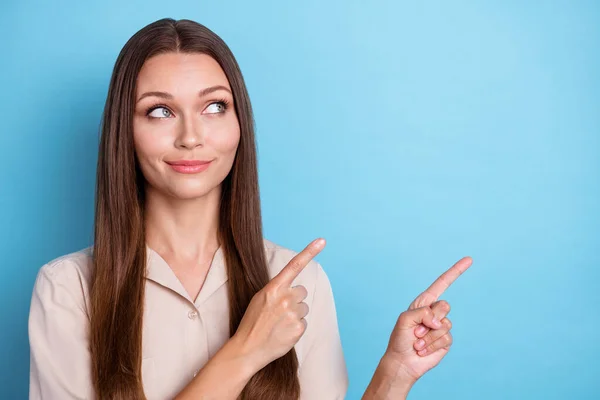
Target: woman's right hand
x,y
274,320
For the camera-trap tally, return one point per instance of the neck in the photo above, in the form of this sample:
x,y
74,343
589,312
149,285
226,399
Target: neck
x,y
185,229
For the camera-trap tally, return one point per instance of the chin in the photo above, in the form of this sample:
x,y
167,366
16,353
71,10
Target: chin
x,y
191,193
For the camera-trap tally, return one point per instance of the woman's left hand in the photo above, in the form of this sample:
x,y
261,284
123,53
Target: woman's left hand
x,y
421,337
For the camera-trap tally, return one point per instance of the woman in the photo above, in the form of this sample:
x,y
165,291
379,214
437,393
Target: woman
x,y
181,296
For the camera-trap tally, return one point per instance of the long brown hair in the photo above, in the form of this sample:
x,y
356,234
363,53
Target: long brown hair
x,y
117,289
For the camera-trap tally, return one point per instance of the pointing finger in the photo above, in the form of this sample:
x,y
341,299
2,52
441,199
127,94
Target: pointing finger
x,y
287,275
442,283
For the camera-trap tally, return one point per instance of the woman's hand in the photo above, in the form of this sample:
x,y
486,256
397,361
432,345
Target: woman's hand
x,y
274,320
421,337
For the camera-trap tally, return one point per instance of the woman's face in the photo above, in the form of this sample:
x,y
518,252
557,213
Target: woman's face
x,y
184,114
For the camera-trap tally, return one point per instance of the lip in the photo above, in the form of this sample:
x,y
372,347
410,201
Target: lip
x,y
189,166
188,162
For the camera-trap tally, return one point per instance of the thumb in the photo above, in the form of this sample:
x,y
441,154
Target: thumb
x,y
422,315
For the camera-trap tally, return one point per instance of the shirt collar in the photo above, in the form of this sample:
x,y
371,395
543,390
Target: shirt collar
x,y
159,271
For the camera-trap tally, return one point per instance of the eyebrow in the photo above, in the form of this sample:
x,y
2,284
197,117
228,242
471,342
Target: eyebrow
x,y
169,96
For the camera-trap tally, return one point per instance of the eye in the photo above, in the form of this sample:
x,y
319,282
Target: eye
x,y
216,107
159,112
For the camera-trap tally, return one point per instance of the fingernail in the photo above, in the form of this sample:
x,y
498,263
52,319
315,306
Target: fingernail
x,y
420,343
436,322
420,330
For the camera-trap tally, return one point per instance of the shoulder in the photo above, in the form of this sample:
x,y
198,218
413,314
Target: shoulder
x,y
76,265
67,276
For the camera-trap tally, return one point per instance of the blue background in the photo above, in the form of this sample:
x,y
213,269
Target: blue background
x,y
408,134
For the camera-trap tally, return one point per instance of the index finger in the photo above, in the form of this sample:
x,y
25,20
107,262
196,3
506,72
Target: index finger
x,y
442,283
287,275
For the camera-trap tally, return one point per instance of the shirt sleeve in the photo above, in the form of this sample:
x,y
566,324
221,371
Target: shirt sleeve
x,y
323,374
58,338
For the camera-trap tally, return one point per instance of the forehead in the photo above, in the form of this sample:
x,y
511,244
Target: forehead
x,y
173,72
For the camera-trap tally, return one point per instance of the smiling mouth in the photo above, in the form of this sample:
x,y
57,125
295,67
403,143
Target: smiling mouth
x,y
189,166
188,162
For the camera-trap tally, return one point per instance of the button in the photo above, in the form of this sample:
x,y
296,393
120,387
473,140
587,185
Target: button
x,y
192,314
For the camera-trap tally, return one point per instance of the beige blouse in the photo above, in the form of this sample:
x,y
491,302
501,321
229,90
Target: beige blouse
x,y
179,335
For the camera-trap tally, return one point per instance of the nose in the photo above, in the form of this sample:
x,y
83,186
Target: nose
x,y
190,133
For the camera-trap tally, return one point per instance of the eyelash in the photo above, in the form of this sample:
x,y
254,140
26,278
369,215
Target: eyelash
x,y
223,102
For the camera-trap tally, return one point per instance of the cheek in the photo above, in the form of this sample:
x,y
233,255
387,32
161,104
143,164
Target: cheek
x,y
226,140
149,145
148,148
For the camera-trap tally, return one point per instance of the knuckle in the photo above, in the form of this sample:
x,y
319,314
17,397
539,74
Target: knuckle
x,y
300,291
269,294
305,309
427,297
417,303
303,291
285,303
300,327
431,336
431,347
427,312
295,264
447,323
447,339
403,318
291,315
445,306
428,338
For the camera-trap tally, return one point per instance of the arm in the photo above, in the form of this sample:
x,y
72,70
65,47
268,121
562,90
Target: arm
x,y
386,383
322,375
406,359
324,372
224,376
59,347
